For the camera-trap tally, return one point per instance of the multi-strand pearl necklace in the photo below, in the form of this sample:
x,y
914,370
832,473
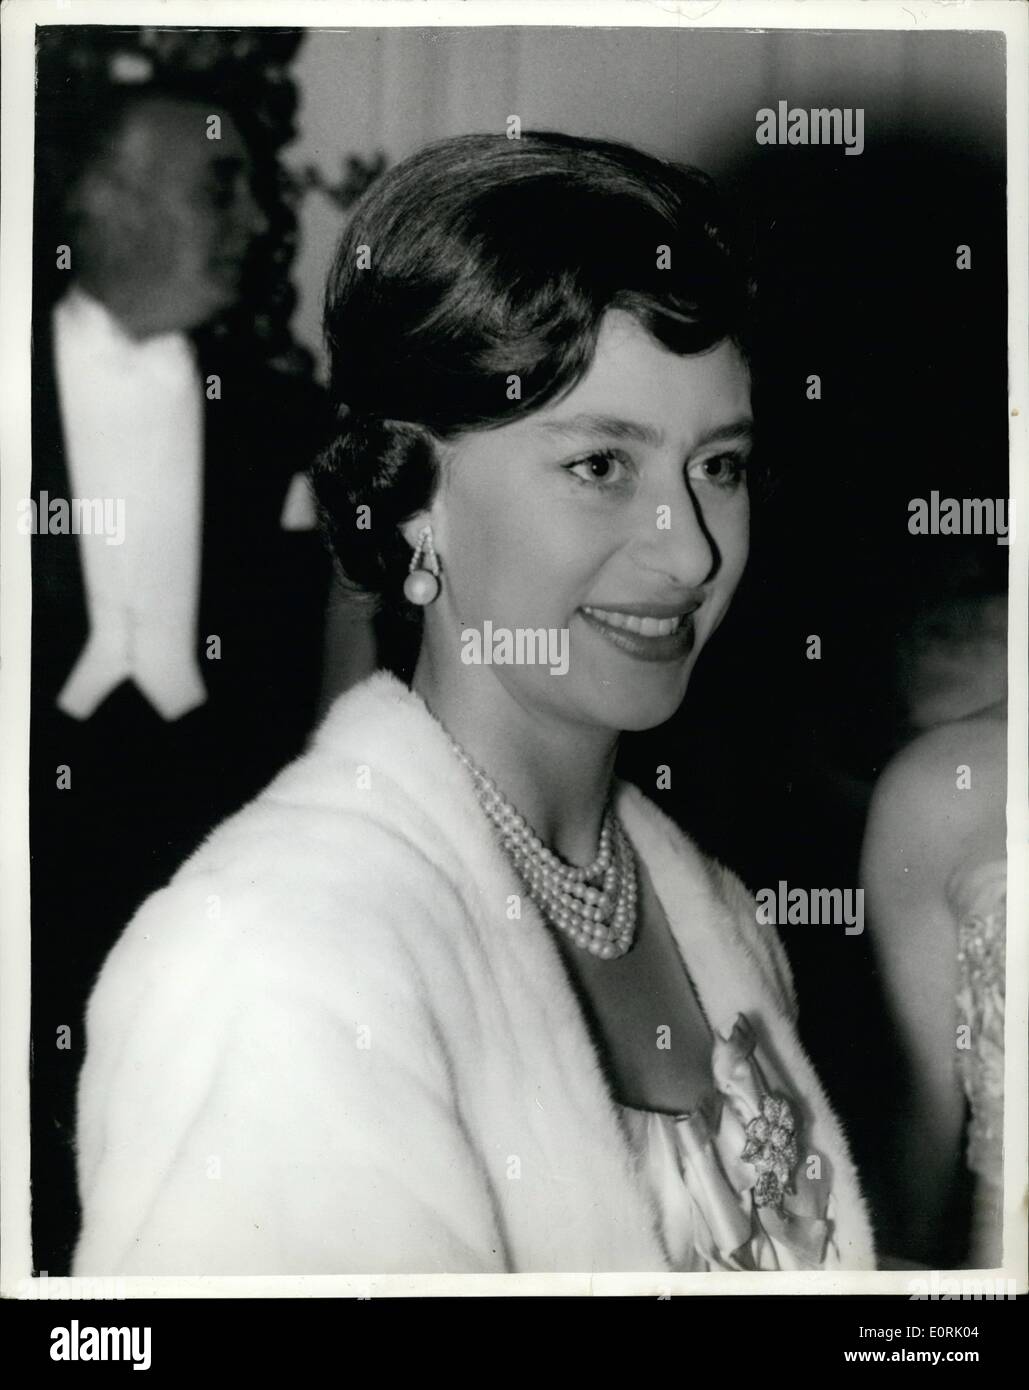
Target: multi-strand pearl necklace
x,y
595,906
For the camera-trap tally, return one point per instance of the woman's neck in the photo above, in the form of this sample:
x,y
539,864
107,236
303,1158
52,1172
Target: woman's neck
x,y
557,773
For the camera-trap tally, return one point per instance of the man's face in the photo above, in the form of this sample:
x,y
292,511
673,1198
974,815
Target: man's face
x,y
178,217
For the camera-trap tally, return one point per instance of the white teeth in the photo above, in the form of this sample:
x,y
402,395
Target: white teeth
x,y
645,627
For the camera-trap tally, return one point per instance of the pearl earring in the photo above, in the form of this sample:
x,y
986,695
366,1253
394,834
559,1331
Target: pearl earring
x,y
422,585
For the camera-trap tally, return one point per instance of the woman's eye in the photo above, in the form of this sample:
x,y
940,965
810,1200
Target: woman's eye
x,y
601,468
724,470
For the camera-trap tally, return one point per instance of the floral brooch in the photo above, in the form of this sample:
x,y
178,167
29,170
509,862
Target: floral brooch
x,y
771,1148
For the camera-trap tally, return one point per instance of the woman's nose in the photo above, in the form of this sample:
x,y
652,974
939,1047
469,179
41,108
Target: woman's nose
x,y
675,540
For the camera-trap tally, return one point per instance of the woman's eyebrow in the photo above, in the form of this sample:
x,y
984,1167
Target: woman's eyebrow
x,y
605,427
742,428
615,427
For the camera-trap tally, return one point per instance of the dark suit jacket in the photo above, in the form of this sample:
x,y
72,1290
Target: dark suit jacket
x,y
262,589
144,791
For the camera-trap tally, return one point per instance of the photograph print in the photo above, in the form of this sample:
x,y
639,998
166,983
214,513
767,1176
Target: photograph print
x,y
520,527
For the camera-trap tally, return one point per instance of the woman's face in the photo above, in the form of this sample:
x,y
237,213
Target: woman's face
x,y
612,524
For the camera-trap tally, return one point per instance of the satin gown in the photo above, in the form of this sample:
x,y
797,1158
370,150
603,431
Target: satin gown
x,y
733,1181
979,899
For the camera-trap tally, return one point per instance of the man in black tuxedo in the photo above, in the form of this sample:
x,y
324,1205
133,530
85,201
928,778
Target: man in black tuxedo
x,y
176,657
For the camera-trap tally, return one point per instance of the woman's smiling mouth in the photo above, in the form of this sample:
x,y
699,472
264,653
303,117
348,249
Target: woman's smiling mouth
x,y
648,636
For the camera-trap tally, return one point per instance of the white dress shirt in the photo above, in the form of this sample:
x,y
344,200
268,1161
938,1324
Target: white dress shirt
x,y
133,427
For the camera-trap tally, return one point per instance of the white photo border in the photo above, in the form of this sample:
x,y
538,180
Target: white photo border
x,y
1009,17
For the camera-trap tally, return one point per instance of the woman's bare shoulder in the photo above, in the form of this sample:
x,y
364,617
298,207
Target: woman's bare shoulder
x,y
939,750
943,791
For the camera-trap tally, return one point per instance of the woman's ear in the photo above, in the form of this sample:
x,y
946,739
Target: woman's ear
x,y
412,528
435,456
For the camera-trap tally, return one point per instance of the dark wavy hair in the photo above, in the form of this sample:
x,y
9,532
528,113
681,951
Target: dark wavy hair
x,y
481,258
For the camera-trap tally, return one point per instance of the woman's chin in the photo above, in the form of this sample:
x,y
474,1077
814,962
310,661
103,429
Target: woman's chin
x,y
649,719
645,706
